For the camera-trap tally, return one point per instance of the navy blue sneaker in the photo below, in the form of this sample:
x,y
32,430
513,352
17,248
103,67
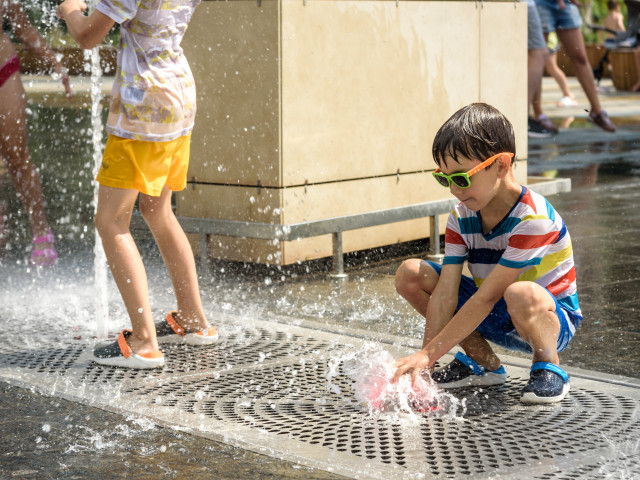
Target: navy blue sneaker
x,y
548,383
466,372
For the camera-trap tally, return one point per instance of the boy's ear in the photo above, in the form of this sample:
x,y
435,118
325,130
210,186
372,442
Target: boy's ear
x,y
504,165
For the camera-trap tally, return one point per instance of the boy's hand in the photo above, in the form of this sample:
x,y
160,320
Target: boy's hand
x,y
69,6
416,364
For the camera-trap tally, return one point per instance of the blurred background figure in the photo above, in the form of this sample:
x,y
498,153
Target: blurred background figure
x,y
613,21
565,20
552,68
539,124
13,126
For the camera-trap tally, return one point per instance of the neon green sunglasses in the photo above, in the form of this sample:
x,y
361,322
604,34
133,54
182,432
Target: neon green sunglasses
x,y
462,179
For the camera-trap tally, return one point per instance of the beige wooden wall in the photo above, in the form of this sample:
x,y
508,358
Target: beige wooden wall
x,y
309,111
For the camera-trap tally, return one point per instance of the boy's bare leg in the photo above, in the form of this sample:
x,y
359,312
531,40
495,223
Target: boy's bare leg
x,y
571,40
415,280
476,347
532,312
113,217
15,152
178,257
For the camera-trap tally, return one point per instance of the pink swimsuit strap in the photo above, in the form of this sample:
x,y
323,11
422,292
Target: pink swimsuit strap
x,y
9,68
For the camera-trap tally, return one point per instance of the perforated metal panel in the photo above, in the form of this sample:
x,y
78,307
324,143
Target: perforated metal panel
x,y
264,387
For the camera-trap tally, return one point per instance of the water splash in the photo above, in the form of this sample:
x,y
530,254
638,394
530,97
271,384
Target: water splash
x,y
371,369
620,464
100,262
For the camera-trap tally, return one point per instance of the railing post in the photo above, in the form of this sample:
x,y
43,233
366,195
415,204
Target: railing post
x,y
204,254
434,240
338,260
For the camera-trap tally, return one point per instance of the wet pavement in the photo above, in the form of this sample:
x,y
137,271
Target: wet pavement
x,y
47,437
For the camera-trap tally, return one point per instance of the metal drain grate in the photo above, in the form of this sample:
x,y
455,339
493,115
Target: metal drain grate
x,y
54,361
264,387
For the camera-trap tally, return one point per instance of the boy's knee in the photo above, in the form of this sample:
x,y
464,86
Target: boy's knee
x,y
411,276
100,223
523,299
146,210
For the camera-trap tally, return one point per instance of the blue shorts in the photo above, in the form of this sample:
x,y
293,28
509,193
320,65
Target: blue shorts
x,y
552,18
497,326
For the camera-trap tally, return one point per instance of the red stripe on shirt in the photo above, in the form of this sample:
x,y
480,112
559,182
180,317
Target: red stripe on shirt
x,y
527,200
525,242
453,237
563,282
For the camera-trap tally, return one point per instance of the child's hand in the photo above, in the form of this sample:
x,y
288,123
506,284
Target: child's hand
x,y
69,6
60,72
66,84
414,364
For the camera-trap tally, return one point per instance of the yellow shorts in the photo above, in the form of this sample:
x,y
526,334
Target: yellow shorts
x,y
145,166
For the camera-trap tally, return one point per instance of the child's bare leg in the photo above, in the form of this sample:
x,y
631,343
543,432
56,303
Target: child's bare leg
x,y
475,346
561,79
14,150
532,312
415,281
113,217
178,257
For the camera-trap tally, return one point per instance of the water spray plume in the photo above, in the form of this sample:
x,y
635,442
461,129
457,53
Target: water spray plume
x,y
100,262
372,368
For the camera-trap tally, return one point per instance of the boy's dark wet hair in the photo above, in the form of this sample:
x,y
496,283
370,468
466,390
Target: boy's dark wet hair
x,y
477,131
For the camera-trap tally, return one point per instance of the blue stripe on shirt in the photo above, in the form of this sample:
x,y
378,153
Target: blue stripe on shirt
x,y
526,263
551,213
562,232
485,255
470,225
504,227
451,260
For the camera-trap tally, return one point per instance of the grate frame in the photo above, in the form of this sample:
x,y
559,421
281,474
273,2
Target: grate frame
x,y
264,387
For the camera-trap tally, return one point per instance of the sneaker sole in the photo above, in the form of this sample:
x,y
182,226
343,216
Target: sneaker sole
x,y
134,361
531,398
189,339
487,380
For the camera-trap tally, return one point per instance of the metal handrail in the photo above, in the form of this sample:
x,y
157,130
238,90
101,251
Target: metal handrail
x,y
336,225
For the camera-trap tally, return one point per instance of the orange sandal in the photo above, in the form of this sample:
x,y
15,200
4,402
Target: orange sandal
x,y
169,331
119,354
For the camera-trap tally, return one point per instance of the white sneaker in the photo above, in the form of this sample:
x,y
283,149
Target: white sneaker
x,y
566,102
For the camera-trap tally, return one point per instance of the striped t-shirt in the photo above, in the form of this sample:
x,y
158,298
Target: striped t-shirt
x,y
532,236
153,96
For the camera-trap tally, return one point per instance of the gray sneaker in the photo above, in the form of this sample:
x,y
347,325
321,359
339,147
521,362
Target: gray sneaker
x,y
538,131
466,372
546,123
548,383
602,120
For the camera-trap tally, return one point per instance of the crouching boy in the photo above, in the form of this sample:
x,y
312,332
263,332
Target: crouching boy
x,y
522,294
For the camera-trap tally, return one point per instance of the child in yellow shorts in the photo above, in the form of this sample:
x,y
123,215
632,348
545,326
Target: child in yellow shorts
x,y
150,120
